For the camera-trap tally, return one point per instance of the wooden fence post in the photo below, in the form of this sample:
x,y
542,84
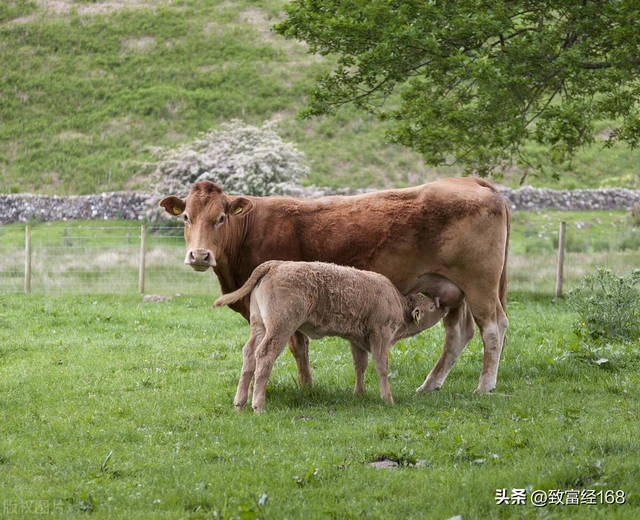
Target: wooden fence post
x,y
143,248
560,270
27,259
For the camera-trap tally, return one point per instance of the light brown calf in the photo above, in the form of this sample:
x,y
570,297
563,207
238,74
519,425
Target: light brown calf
x,y
320,299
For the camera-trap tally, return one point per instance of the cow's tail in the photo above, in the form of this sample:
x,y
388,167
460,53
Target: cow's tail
x,y
503,276
253,280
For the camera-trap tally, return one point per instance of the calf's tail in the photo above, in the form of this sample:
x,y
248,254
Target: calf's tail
x,y
253,280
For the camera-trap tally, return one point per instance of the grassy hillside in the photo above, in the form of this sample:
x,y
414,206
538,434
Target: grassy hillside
x,y
88,86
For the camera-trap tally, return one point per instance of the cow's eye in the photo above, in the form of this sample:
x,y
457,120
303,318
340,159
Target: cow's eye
x,y
221,219
186,219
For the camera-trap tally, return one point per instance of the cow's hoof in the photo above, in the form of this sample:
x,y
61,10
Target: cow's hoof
x,y
239,407
258,409
481,390
425,389
305,382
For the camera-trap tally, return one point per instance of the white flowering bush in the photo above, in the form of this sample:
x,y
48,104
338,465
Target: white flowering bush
x,y
244,159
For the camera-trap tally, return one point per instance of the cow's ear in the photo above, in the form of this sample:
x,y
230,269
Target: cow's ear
x,y
239,206
173,205
416,314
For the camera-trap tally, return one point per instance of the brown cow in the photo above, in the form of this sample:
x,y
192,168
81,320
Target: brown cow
x,y
320,300
421,238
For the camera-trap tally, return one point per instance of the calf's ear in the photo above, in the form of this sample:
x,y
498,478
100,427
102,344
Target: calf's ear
x,y
417,315
239,206
173,205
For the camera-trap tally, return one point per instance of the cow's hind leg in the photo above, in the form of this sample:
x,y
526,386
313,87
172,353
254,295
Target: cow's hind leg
x,y
459,329
299,347
493,323
266,354
248,366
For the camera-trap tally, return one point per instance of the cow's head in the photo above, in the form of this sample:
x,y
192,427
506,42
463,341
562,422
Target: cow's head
x,y
209,217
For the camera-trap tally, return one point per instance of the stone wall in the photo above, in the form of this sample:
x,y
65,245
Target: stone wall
x,y
135,206
22,207
528,198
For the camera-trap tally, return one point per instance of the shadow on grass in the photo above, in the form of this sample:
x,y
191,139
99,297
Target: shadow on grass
x,y
291,396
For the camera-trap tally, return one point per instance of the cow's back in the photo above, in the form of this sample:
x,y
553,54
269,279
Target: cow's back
x,y
401,234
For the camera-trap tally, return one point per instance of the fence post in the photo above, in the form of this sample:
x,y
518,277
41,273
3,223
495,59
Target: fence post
x,y
560,270
143,248
27,259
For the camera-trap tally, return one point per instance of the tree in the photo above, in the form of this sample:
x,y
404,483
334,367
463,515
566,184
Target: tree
x,y
242,158
471,81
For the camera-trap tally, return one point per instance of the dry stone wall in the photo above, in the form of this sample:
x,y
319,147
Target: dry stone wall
x,y
136,206
25,207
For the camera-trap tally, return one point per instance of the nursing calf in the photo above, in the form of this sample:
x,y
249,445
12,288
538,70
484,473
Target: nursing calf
x,y
320,299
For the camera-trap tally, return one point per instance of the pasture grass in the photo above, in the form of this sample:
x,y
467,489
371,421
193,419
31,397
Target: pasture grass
x,y
90,87
123,409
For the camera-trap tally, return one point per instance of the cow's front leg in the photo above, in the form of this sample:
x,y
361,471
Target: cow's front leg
x,y
459,329
299,346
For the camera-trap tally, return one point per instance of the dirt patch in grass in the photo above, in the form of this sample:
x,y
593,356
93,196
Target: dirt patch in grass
x,y
384,464
93,8
156,298
142,44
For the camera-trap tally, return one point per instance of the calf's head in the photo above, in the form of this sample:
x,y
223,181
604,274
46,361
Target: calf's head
x,y
210,219
424,312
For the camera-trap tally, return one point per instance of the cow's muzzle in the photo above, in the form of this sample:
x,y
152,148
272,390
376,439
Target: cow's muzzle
x,y
200,259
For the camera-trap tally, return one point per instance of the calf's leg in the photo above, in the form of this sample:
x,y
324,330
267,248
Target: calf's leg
x,y
299,347
459,329
379,348
360,362
266,354
248,366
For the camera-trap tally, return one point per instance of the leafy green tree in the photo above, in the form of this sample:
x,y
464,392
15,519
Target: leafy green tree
x,y
478,78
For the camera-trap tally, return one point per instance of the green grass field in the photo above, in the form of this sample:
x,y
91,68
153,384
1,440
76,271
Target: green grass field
x,y
89,86
123,409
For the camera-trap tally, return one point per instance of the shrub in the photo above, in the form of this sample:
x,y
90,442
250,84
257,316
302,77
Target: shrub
x,y
244,159
609,306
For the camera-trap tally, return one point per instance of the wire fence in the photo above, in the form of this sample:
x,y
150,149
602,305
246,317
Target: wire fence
x,y
67,258
99,259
